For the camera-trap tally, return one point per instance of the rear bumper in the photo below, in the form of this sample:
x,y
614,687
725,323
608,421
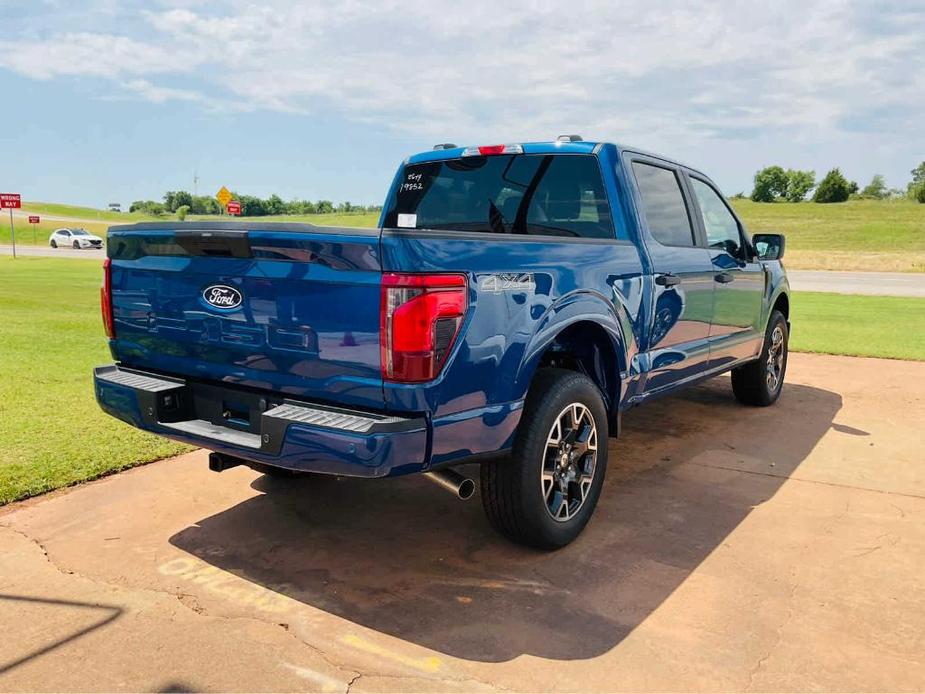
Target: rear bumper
x,y
298,435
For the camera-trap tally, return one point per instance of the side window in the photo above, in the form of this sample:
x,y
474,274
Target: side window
x,y
65,232
663,205
722,228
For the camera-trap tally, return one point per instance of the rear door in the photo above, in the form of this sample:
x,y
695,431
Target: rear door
x,y
678,337
735,332
286,308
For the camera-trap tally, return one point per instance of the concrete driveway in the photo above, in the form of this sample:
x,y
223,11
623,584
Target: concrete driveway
x,y
734,549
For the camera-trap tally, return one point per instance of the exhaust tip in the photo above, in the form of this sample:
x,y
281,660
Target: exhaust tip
x,y
460,486
466,489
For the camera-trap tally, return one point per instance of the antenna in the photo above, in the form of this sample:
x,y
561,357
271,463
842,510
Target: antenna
x,y
195,183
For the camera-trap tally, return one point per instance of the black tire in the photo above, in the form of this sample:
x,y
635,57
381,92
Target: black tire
x,y
76,246
514,491
756,383
52,244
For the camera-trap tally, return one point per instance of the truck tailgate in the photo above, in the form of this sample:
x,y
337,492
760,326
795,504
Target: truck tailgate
x,y
287,308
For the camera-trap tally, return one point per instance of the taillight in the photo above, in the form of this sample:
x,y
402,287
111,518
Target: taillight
x,y
420,319
106,299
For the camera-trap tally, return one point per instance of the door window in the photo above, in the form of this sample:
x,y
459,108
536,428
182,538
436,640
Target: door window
x,y
663,205
722,228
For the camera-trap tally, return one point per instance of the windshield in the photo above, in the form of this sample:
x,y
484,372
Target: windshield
x,y
79,232
543,194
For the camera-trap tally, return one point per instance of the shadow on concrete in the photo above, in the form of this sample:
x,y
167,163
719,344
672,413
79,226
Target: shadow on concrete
x,y
408,560
110,614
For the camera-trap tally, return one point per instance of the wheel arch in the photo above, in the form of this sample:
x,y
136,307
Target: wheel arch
x,y
585,334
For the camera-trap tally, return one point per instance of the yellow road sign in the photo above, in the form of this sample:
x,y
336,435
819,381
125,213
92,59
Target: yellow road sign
x,y
223,196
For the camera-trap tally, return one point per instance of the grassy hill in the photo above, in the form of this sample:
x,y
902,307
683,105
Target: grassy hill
x,y
883,235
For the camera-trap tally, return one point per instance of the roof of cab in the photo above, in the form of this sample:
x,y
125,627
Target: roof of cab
x,y
551,147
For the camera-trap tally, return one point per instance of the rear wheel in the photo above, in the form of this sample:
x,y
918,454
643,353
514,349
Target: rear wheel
x,y
53,244
544,495
760,382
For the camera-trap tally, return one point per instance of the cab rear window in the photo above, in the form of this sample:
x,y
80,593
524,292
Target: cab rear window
x,y
536,194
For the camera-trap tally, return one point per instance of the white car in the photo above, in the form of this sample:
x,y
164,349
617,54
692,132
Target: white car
x,y
74,238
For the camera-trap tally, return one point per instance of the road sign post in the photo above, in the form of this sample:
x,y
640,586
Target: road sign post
x,y
224,197
11,201
33,220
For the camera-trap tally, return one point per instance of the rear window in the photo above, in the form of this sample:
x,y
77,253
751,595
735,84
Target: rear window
x,y
537,194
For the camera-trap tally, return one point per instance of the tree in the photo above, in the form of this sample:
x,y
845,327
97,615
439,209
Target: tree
x,y
147,207
918,192
853,187
834,188
799,183
251,206
770,183
876,189
918,173
182,211
324,206
175,199
275,205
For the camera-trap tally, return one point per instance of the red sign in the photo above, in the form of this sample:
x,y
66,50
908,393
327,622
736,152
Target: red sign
x,y
10,201
34,219
234,207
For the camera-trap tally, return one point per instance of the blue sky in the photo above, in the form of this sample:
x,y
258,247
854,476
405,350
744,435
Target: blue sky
x,y
113,100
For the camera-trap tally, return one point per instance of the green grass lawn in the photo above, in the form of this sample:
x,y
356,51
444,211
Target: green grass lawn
x,y
88,213
863,326
52,433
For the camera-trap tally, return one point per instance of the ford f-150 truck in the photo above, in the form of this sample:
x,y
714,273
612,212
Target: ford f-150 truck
x,y
513,301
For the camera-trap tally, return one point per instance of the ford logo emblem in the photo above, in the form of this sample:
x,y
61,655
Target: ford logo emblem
x,y
222,296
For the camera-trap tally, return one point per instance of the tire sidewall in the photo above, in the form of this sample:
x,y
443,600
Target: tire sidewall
x,y
777,319
530,450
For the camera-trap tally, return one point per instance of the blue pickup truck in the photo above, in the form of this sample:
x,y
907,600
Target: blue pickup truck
x,y
514,300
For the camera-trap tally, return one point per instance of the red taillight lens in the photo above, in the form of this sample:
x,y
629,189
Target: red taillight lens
x,y
420,319
106,299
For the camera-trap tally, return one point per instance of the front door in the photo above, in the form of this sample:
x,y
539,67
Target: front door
x,y
735,332
678,335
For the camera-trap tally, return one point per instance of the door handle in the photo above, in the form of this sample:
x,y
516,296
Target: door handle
x,y
667,280
723,278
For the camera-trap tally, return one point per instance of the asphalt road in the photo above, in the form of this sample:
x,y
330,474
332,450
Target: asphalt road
x,y
871,283
47,251
734,549
874,283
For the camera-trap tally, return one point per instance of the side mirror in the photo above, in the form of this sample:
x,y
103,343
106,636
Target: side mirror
x,y
769,246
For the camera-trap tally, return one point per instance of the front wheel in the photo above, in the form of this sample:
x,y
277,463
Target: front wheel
x,y
545,493
76,246
760,382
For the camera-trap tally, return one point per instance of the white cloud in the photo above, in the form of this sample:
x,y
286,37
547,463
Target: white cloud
x,y
671,71
157,95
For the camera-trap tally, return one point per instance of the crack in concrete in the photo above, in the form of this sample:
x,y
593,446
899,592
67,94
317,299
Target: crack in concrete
x,y
778,639
806,481
191,602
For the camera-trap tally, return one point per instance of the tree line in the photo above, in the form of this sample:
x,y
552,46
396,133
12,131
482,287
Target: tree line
x,y
182,203
774,183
